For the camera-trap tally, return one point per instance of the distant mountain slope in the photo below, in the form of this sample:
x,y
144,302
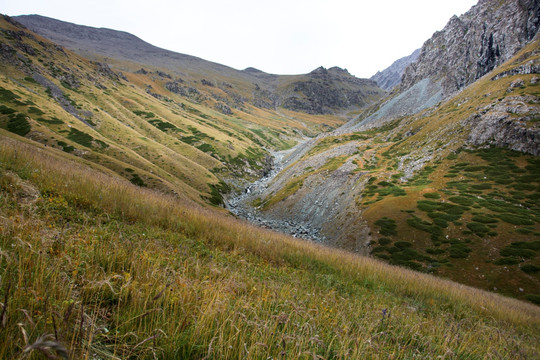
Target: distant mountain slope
x,y
127,52
468,47
391,76
473,44
431,178
439,191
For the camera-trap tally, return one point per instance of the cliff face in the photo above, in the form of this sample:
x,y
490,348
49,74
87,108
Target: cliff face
x,y
474,44
323,91
391,76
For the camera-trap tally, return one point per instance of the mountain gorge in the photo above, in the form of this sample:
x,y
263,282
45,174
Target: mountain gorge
x,y
127,174
415,179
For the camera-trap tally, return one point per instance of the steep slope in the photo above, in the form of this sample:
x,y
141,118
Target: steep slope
x,y
474,44
315,94
195,138
466,49
388,78
96,267
426,190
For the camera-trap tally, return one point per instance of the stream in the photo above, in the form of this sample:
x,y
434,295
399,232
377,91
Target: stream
x,y
242,205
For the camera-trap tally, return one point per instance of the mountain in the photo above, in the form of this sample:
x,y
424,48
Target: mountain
x,y
439,181
388,78
472,45
165,120
314,94
114,243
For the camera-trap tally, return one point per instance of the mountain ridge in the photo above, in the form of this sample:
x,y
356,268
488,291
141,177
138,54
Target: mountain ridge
x,y
114,242
391,76
262,89
362,186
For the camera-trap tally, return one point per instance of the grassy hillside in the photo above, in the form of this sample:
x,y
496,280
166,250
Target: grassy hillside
x,y
437,192
185,282
147,126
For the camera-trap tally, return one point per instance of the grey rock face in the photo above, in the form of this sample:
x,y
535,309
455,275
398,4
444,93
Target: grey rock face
x,y
325,90
391,76
507,123
224,108
475,43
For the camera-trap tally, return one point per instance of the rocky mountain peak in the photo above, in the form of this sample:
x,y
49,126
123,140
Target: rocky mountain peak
x,y
391,76
475,43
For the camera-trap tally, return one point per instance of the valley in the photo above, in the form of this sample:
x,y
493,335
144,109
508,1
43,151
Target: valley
x,y
159,205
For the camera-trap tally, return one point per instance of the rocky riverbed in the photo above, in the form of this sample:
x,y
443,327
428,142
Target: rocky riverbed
x,y
242,204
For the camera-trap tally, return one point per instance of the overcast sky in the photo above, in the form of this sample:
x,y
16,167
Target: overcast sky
x,y
276,36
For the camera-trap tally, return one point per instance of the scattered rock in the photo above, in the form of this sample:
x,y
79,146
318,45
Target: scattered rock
x,y
224,108
207,83
515,84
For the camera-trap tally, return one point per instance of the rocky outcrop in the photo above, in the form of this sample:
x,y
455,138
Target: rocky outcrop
x,y
224,108
531,67
472,45
325,90
507,123
391,76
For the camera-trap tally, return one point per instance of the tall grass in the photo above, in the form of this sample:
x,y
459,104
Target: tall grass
x,y
92,266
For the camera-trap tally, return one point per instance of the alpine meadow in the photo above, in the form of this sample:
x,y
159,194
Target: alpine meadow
x,y
155,205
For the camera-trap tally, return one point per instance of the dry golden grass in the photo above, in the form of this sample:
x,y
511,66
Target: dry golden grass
x,y
102,268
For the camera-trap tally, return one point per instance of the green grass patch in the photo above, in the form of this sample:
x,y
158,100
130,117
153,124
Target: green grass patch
x,y
136,179
4,110
530,268
387,226
18,124
80,137
51,121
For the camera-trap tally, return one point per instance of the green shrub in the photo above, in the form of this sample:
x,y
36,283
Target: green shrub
x,y
384,241
459,251
484,219
7,95
474,168
65,147
379,249
387,226
514,251
432,195
4,110
402,244
478,228
427,205
530,268
483,186
515,219
535,299
531,245
507,261
52,121
35,110
462,200
18,124
435,251
81,138
136,179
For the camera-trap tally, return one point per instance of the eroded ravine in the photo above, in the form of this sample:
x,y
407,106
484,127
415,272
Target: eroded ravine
x,y
242,205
